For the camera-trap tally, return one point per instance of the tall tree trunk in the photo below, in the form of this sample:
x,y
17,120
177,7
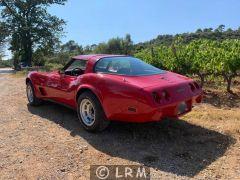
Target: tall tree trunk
x,y
29,54
16,64
27,49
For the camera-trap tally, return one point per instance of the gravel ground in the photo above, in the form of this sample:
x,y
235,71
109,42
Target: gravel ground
x,y
48,142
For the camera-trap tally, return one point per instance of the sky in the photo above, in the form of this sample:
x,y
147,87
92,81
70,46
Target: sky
x,y
94,21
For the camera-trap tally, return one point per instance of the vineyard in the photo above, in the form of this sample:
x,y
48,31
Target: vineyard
x,y
204,58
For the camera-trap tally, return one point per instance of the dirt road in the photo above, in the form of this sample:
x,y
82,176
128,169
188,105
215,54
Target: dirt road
x,y
47,142
6,71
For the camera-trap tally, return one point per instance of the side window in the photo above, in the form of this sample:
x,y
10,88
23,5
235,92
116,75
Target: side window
x,y
77,64
113,66
101,66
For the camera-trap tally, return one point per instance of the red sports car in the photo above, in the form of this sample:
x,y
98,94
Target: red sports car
x,y
104,88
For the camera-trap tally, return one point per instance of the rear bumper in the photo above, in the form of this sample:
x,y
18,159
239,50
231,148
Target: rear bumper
x,y
172,110
159,113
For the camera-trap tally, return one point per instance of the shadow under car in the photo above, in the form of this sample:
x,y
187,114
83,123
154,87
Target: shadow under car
x,y
173,146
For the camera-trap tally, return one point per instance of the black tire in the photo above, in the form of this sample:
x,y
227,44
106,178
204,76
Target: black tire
x,y
34,101
100,123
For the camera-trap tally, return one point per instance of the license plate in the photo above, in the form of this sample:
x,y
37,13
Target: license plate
x,y
182,108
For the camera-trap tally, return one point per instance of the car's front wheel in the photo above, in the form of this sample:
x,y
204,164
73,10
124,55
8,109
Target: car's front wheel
x,y
90,113
32,99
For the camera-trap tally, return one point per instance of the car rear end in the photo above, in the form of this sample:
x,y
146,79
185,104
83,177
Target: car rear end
x,y
173,100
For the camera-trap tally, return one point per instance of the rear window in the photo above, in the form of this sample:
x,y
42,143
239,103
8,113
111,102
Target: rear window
x,y
126,66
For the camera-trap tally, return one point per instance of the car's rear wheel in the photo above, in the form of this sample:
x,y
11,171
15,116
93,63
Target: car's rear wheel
x,y
90,113
32,99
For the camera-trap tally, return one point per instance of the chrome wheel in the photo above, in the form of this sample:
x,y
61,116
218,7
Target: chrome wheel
x,y
87,112
30,93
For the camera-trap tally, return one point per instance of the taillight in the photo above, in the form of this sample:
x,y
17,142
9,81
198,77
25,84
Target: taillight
x,y
165,95
158,97
194,86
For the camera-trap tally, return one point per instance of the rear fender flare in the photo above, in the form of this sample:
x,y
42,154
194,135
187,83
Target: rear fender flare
x,y
96,92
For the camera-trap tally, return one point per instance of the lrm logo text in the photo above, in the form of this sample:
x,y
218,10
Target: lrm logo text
x,y
119,172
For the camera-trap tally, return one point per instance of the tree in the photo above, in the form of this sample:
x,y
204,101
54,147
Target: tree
x,y
30,25
199,31
72,47
207,30
3,35
228,60
127,45
115,46
153,56
199,57
219,34
220,28
101,48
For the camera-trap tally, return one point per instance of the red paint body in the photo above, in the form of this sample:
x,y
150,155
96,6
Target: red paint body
x,y
124,98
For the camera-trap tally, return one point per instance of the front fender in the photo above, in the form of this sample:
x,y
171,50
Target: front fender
x,y
37,80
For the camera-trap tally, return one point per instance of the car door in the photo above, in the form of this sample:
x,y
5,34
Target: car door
x,y
70,81
53,86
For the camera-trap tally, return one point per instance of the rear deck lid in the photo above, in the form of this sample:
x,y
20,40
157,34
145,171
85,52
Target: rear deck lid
x,y
164,79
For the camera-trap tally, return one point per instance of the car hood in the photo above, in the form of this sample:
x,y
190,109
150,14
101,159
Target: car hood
x,y
165,79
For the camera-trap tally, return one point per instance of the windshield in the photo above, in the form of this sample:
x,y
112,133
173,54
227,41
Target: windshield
x,y
126,66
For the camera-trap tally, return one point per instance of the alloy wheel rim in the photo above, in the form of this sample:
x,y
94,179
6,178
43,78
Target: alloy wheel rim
x,y
87,112
30,93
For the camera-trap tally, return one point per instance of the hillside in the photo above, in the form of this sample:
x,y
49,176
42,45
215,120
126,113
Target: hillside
x,y
218,34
